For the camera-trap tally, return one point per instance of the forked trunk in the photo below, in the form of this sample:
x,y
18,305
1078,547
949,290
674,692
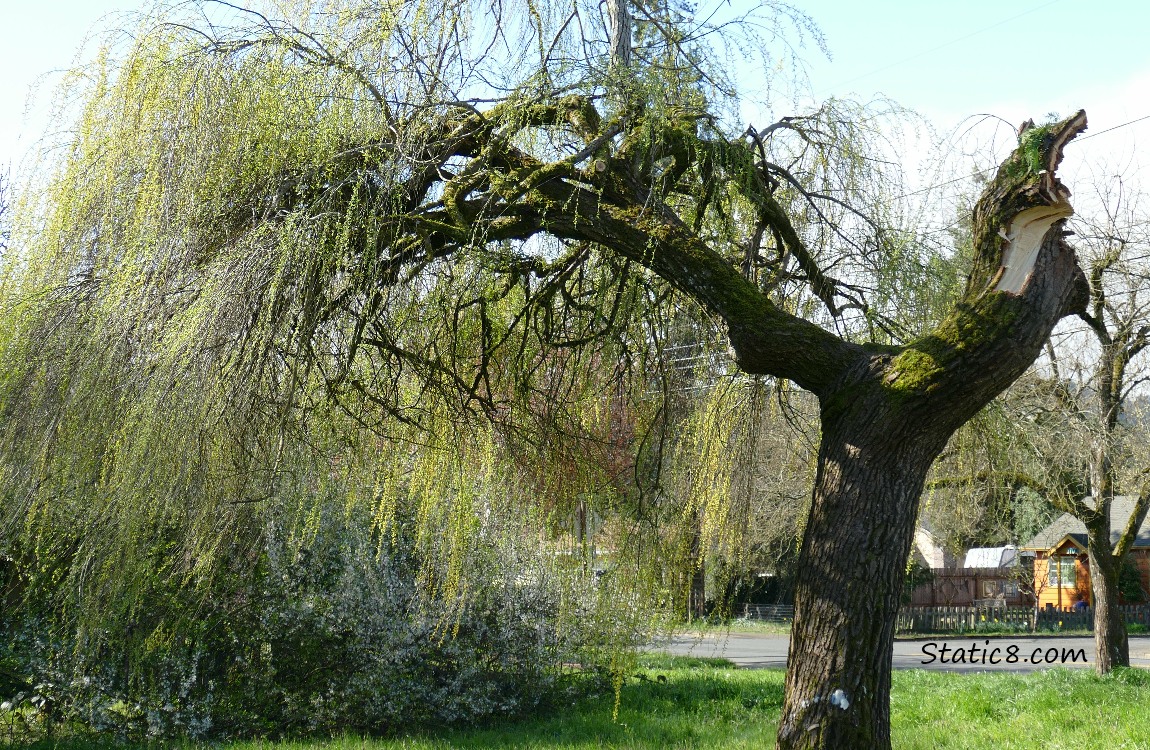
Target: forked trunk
x,y
885,420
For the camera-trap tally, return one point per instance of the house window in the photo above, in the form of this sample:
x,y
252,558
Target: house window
x,y
1062,571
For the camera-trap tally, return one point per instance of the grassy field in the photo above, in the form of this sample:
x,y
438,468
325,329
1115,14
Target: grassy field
x,y
682,704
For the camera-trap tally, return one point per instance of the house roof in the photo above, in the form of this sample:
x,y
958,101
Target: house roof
x,y
1067,525
990,557
929,551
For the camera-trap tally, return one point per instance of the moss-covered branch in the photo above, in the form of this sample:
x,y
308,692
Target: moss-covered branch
x,y
1025,278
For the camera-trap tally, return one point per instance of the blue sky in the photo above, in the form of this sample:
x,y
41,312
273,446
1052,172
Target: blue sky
x,y
946,60
37,38
950,59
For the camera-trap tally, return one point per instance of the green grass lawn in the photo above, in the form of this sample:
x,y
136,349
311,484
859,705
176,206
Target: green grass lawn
x,y
684,703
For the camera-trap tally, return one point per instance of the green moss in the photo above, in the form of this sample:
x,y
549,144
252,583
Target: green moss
x,y
914,370
1030,156
1032,145
967,328
920,366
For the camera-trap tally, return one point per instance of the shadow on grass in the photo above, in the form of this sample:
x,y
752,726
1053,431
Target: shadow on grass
x,y
670,703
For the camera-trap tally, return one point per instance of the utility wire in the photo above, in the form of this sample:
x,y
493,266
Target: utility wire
x,y
1107,130
988,170
956,41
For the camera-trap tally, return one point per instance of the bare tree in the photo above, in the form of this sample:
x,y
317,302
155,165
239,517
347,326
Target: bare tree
x,y
1097,372
1067,431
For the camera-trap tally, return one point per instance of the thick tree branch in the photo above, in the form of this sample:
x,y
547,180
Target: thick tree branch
x,y
1096,324
1137,516
605,203
619,21
752,182
766,339
1025,277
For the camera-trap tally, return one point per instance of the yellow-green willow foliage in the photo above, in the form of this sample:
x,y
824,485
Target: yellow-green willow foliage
x,y
206,331
740,473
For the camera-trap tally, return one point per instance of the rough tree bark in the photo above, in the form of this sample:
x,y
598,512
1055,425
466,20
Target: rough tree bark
x,y
1111,646
886,411
1105,554
619,22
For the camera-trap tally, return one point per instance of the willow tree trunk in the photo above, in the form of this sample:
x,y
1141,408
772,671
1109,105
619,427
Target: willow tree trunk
x,y
887,411
619,24
850,577
885,420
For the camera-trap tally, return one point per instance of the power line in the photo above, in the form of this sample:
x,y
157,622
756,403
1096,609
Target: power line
x,y
943,184
991,169
1107,130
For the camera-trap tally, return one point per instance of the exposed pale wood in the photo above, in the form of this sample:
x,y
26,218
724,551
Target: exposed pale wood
x,y
884,422
1024,240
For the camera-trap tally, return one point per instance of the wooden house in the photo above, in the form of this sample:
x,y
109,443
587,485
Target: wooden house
x,y
1061,568
987,576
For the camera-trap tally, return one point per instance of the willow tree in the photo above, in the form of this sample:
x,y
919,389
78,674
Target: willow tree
x,y
444,215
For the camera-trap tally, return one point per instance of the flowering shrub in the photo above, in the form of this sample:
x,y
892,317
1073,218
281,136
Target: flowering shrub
x,y
340,635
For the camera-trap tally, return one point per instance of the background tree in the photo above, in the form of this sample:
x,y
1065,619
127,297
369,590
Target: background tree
x,y
441,219
1005,473
1071,432
1098,394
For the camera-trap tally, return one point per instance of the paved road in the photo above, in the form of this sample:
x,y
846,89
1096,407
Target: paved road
x,y
977,653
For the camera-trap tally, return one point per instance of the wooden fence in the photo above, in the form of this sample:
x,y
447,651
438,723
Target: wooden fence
x,y
1022,619
967,587
769,612
973,619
